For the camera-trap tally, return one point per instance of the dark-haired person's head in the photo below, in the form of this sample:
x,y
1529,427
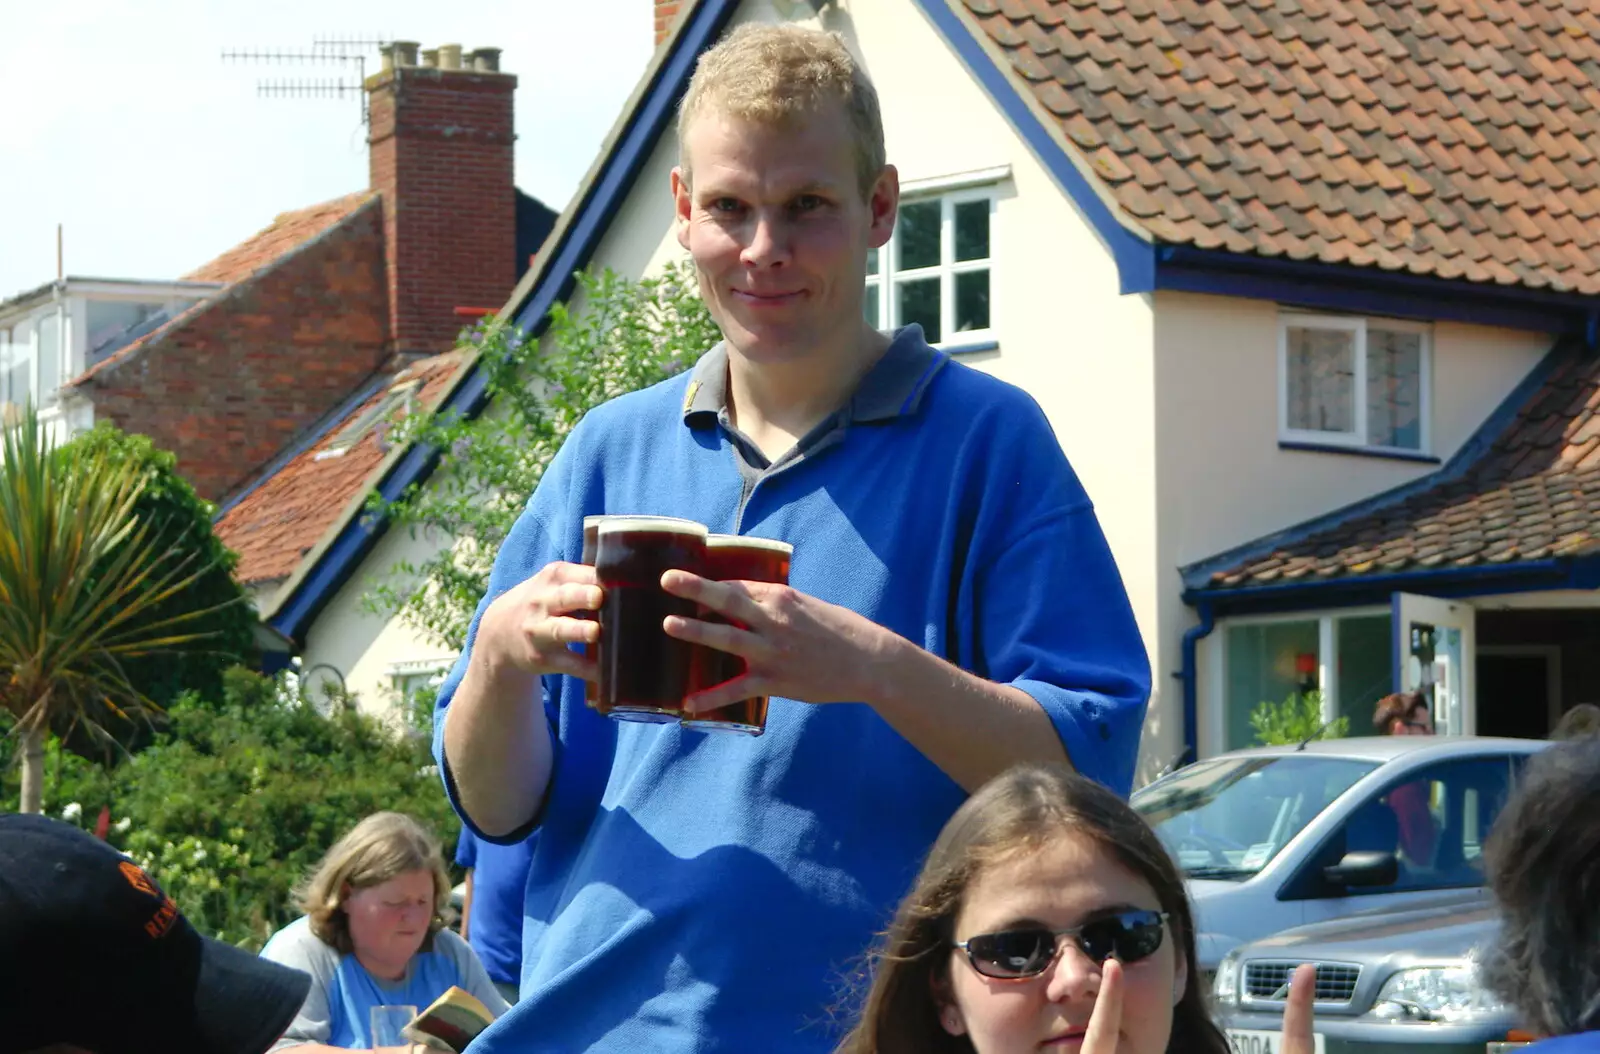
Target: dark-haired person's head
x,y
1543,864
1403,714
95,958
1002,944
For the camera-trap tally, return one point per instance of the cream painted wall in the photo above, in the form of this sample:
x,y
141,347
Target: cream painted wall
x,y
1222,481
363,646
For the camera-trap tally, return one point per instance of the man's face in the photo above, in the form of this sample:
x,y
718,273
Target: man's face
x,y
779,231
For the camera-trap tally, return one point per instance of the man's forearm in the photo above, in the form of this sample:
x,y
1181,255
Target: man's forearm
x,y
497,742
971,728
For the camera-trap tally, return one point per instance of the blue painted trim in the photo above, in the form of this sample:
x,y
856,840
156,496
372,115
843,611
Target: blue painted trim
x,y
1191,682
1369,290
1135,257
1358,451
1352,590
650,117
1197,576
970,349
1397,644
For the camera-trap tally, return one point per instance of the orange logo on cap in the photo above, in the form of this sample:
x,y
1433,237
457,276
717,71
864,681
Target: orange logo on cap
x,y
159,923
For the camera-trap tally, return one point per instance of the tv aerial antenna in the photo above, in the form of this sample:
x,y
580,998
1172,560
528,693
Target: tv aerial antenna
x,y
348,54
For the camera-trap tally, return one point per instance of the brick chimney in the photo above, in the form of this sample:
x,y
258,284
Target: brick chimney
x,y
440,140
666,14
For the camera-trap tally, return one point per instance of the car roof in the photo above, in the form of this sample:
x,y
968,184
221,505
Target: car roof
x,y
1386,748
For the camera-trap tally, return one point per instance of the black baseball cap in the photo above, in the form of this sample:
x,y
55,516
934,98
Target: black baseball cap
x,y
94,954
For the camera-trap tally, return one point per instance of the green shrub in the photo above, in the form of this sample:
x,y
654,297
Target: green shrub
x,y
236,801
1295,720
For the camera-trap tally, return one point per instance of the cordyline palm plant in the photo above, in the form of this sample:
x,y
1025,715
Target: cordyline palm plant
x,y
79,575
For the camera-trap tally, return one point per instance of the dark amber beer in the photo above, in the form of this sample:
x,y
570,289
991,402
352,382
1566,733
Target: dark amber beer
x,y
735,558
591,542
644,674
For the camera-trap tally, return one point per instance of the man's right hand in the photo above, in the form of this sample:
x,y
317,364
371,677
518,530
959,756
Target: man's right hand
x,y
527,628
496,738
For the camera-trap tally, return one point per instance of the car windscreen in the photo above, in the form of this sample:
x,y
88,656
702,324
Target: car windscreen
x,y
1228,817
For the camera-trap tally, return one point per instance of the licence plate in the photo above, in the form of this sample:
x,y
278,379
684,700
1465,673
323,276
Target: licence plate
x,y
1251,1041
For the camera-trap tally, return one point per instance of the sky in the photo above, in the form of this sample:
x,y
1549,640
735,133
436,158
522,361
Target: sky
x,y
124,124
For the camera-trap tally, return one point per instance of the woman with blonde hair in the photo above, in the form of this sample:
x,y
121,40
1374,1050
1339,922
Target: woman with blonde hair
x,y
373,934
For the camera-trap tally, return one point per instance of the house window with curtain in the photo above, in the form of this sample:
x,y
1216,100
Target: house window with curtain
x,y
1354,382
935,270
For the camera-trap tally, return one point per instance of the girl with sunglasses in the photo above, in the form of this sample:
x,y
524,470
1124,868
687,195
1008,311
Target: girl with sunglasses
x,y
1048,917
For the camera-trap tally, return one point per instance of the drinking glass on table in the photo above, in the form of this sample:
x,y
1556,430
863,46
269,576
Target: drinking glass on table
x,y
644,674
734,558
387,1023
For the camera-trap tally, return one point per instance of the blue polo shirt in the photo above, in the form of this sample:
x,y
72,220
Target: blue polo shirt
x,y
499,881
701,891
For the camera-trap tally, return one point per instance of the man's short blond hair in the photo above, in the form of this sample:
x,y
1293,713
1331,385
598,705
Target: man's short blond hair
x,y
776,74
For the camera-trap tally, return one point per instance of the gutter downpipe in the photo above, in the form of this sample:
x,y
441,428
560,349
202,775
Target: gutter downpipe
x,y
1191,688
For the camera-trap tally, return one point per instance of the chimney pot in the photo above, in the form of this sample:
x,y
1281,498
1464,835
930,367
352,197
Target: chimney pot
x,y
387,51
405,52
430,57
486,60
450,56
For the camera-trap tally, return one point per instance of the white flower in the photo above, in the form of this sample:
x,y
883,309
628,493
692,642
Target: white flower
x,y
73,812
122,825
199,855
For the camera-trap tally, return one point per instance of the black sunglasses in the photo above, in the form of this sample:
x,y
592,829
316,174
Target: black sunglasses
x,y
1127,936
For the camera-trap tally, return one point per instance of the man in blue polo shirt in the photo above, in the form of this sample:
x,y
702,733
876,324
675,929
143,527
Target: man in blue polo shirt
x,y
953,609
491,909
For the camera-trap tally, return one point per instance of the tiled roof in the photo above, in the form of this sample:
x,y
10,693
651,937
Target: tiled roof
x,y
287,232
1453,138
1527,490
276,524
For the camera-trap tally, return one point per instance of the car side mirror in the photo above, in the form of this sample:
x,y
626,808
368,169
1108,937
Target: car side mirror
x,y
1365,868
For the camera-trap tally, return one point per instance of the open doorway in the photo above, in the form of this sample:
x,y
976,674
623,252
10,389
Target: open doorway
x,y
1524,684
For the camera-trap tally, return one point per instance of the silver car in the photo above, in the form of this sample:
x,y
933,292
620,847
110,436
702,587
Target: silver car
x,y
1276,837
1388,981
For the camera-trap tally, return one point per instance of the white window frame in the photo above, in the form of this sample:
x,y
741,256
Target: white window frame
x,y
405,670
889,274
1327,661
1356,439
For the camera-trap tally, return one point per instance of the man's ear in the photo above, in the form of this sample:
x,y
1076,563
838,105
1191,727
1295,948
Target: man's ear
x,y
1180,980
884,205
681,204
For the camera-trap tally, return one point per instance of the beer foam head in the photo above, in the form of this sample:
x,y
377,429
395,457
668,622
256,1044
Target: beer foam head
x,y
742,541
654,524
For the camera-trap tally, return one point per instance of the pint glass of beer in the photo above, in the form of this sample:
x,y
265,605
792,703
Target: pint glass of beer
x,y
644,674
591,542
735,558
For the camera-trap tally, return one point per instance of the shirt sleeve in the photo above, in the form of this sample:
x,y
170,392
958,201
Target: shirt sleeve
x,y
469,968
296,946
466,849
1045,605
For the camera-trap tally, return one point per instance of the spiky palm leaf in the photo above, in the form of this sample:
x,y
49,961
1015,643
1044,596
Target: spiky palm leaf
x,y
79,574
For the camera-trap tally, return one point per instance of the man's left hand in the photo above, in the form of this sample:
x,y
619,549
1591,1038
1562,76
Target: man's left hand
x,y
796,646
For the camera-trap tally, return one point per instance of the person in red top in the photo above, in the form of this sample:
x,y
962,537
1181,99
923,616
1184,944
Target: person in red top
x,y
1407,714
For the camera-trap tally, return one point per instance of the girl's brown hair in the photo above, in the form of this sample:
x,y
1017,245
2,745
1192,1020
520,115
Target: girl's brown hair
x,y
1015,813
383,846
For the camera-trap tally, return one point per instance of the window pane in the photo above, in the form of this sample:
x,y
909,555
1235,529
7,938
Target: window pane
x,y
1394,389
918,235
1365,670
919,302
1267,663
110,324
1321,381
48,332
972,230
972,301
869,306
872,261
14,369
